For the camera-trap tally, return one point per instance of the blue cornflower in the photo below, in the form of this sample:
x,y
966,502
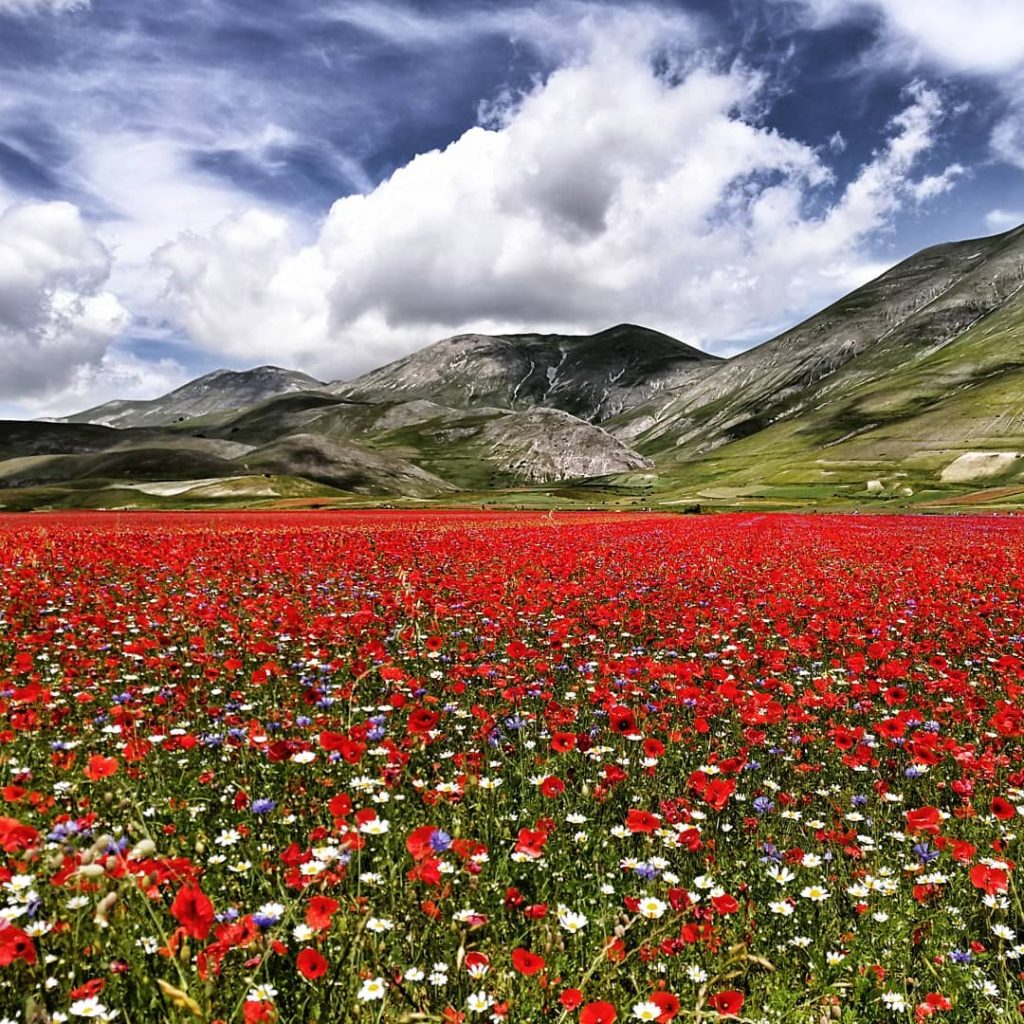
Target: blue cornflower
x,y
440,841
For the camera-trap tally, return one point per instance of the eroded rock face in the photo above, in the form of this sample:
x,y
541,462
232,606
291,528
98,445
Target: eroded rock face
x,y
544,445
593,377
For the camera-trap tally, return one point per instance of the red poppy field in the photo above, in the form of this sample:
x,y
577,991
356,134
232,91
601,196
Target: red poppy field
x,y
453,767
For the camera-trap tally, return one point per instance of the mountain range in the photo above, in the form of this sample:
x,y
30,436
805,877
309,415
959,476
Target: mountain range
x,y
908,392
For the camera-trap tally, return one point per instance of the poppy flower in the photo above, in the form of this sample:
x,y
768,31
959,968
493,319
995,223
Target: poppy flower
x,y
552,787
477,963
571,998
621,720
1002,808
598,1013
668,1004
990,880
727,1003
642,821
725,904
90,990
193,910
16,945
526,962
923,819
319,911
15,837
100,767
718,792
258,1011
531,842
311,965
563,742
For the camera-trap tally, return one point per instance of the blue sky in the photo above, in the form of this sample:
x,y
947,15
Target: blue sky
x,y
329,185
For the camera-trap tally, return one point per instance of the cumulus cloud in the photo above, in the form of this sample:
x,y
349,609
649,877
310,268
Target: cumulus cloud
x,y
610,191
56,318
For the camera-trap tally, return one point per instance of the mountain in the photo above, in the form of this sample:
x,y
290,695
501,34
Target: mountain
x,y
215,392
910,389
592,376
916,307
915,380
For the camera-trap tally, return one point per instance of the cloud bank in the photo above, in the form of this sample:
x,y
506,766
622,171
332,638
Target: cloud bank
x,y
660,198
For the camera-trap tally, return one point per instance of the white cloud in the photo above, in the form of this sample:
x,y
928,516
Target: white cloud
x,y
607,193
1008,137
981,38
1004,220
56,317
116,374
974,36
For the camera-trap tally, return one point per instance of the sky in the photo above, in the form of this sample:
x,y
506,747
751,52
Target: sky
x,y
329,185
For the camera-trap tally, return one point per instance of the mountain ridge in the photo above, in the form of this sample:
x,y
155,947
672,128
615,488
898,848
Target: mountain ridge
x,y
911,387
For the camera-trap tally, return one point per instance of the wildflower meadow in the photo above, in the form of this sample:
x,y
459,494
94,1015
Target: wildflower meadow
x,y
460,767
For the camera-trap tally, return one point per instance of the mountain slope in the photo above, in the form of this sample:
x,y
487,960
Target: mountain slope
x,y
953,415
214,392
921,304
592,377
344,466
468,447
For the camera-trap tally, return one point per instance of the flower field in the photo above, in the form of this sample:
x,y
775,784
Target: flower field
x,y
385,767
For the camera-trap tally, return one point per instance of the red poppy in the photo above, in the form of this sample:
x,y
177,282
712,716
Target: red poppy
x,y
668,1004
552,787
725,904
15,837
718,792
258,1012
563,742
653,748
727,1003
319,911
924,819
100,767
340,806
193,910
422,721
571,998
475,960
89,990
991,880
531,842
311,964
621,720
417,842
642,821
1002,808
598,1013
526,962
16,945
